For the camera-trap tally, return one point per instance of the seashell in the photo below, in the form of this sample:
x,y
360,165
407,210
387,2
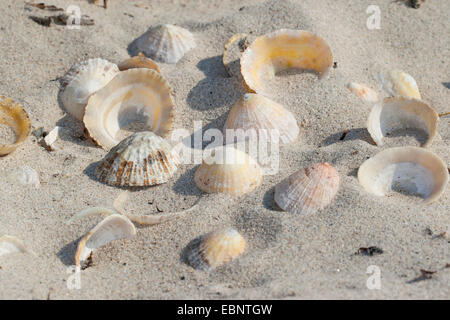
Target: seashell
x,y
90,212
165,43
113,227
284,49
24,175
216,249
142,159
232,52
10,244
397,113
399,83
15,117
83,80
139,61
408,170
254,111
138,97
362,91
308,190
228,170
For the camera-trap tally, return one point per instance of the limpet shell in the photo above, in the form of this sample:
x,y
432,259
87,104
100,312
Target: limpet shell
x,y
228,170
397,113
254,111
280,50
82,80
216,249
142,159
10,244
399,83
139,97
308,190
14,116
139,61
408,170
362,91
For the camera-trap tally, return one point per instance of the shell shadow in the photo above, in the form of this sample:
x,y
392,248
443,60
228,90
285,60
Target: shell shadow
x,y
77,131
67,253
269,201
192,245
185,184
446,84
353,134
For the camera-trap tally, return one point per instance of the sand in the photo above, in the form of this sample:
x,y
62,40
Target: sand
x,y
288,256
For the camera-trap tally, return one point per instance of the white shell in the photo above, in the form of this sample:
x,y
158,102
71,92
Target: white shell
x,y
24,175
362,91
10,244
401,113
399,83
83,80
410,170
166,43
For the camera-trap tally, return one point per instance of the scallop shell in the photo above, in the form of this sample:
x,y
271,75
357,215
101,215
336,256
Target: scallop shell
x,y
399,83
14,116
166,43
362,91
408,170
136,96
113,227
10,244
216,249
308,190
24,175
83,80
254,111
142,159
139,61
284,49
228,170
401,113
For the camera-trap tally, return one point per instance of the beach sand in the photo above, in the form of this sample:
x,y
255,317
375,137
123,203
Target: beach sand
x,y
288,256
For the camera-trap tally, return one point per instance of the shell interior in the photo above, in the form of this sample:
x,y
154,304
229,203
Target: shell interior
x,y
139,61
13,115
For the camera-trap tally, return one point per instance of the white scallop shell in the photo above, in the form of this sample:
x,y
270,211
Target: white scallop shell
x,y
399,83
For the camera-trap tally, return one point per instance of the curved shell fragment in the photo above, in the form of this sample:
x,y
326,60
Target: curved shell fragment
x,y
399,83
13,115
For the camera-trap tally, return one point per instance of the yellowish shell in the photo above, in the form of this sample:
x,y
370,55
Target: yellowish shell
x,y
14,116
139,61
399,83
362,91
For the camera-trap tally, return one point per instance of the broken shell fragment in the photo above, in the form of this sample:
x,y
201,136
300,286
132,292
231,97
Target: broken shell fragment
x,y
166,43
142,159
232,53
228,170
216,249
10,244
135,100
362,91
13,116
281,50
399,113
83,80
24,176
139,61
308,190
256,112
399,83
113,227
408,170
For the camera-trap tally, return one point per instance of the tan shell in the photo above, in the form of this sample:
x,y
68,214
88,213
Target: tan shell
x,y
142,159
399,83
136,96
362,91
401,113
280,50
409,170
139,61
14,116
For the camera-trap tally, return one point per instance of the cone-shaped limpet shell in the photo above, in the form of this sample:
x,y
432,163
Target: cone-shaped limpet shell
x,y
228,170
166,43
142,159
216,249
362,91
138,97
396,113
254,111
83,80
139,61
113,227
10,244
284,49
408,170
14,116
399,83
308,190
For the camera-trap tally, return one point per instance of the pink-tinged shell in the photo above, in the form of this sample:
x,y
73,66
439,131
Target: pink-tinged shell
x,y
308,190
362,91
216,249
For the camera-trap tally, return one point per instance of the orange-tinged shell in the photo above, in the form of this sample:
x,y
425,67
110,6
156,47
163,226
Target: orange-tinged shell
x,y
308,190
362,91
139,61
399,83
13,115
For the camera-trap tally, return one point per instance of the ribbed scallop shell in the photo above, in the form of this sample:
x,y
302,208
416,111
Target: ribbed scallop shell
x,y
134,97
113,227
399,83
142,159
401,113
166,43
13,115
308,190
139,61
254,111
362,91
83,80
228,170
280,50
216,249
